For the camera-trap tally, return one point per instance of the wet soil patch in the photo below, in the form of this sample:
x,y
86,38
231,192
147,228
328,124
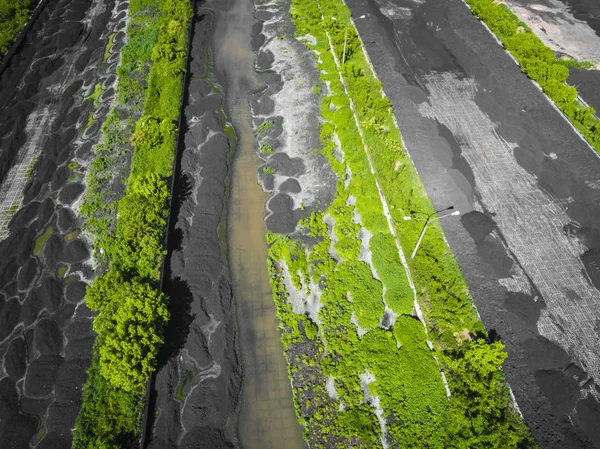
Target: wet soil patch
x,y
16,428
281,220
586,10
525,307
15,360
48,337
28,273
290,185
41,375
491,250
591,261
587,83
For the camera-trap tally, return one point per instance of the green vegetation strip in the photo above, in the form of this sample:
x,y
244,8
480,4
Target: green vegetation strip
x,y
13,17
362,371
128,226
540,64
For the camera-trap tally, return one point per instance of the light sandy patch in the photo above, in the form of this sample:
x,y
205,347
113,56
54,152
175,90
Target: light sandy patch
x,y
337,152
330,222
305,301
366,379
360,330
559,30
295,102
330,387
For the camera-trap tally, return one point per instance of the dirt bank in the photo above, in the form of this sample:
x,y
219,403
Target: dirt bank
x,y
198,381
45,328
485,140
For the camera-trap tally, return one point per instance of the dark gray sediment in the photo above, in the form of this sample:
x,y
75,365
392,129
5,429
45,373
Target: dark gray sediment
x,y
45,329
486,140
198,381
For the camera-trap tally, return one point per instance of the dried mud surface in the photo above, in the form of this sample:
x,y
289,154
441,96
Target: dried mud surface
x,y
484,139
45,329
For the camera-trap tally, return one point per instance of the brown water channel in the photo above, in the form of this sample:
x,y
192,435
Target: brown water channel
x,y
267,418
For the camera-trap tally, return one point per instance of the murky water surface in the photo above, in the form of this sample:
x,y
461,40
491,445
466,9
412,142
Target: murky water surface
x,y
267,418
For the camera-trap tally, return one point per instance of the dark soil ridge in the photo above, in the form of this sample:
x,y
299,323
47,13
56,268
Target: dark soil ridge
x,y
198,379
45,329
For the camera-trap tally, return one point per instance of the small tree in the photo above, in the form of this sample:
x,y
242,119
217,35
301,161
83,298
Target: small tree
x,y
130,323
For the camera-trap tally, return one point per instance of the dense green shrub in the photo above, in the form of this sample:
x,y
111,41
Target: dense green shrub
x,y
110,416
13,17
131,317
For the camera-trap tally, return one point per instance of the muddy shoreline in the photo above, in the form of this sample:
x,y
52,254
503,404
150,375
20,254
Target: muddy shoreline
x,y
46,333
485,140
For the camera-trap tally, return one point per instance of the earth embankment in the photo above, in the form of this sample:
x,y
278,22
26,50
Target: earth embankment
x,y
49,122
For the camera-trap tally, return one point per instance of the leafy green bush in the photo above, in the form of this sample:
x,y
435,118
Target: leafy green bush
x,y
132,316
110,417
13,17
130,245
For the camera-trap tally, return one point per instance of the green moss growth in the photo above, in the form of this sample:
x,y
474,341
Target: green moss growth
x,y
109,46
41,240
95,96
61,271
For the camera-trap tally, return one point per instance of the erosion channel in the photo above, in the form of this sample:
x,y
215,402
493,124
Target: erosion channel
x,y
223,356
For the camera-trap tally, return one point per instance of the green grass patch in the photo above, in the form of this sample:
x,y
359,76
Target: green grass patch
x,y
41,240
266,148
568,62
70,279
61,271
264,127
